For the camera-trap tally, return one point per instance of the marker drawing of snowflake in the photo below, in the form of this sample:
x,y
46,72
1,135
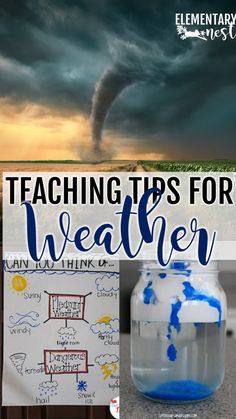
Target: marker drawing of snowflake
x,y
82,385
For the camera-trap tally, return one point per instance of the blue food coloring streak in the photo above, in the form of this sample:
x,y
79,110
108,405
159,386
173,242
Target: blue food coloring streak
x,y
174,322
149,296
172,352
162,275
182,390
185,272
182,267
179,265
192,294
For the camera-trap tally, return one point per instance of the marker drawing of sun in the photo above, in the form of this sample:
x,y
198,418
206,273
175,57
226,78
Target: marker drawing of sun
x,y
105,319
18,284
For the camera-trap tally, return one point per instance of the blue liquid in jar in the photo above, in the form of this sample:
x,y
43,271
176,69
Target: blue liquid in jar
x,y
183,367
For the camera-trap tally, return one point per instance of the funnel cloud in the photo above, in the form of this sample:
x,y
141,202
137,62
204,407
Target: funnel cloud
x,y
131,64
108,88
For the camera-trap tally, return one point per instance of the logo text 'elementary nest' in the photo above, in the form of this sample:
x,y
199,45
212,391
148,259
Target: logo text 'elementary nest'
x,y
206,26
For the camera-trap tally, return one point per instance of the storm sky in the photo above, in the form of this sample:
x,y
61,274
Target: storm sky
x,y
52,53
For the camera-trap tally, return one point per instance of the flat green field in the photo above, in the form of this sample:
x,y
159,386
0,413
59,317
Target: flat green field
x,y
120,166
190,166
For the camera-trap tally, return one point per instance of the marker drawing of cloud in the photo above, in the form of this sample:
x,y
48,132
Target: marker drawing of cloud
x,y
48,384
67,331
106,359
106,328
108,283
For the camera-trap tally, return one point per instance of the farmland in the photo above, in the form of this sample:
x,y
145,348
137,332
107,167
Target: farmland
x,y
189,166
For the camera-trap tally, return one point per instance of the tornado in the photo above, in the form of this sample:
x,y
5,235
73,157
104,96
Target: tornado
x,y
131,64
108,88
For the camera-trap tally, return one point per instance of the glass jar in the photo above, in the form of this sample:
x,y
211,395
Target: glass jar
x,y
178,332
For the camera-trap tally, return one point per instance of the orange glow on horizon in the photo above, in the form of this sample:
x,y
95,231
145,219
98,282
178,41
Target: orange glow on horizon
x,y
33,132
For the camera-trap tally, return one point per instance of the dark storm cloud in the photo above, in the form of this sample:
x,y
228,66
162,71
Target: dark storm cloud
x,y
53,53
46,54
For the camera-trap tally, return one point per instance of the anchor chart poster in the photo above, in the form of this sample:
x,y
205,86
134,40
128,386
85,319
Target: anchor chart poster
x,y
61,332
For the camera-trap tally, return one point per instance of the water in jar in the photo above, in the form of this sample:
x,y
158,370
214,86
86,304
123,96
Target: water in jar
x,y
178,367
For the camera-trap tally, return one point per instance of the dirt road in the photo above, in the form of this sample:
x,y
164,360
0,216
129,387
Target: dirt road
x,y
138,168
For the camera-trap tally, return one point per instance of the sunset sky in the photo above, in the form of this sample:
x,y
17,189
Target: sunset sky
x,y
180,105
